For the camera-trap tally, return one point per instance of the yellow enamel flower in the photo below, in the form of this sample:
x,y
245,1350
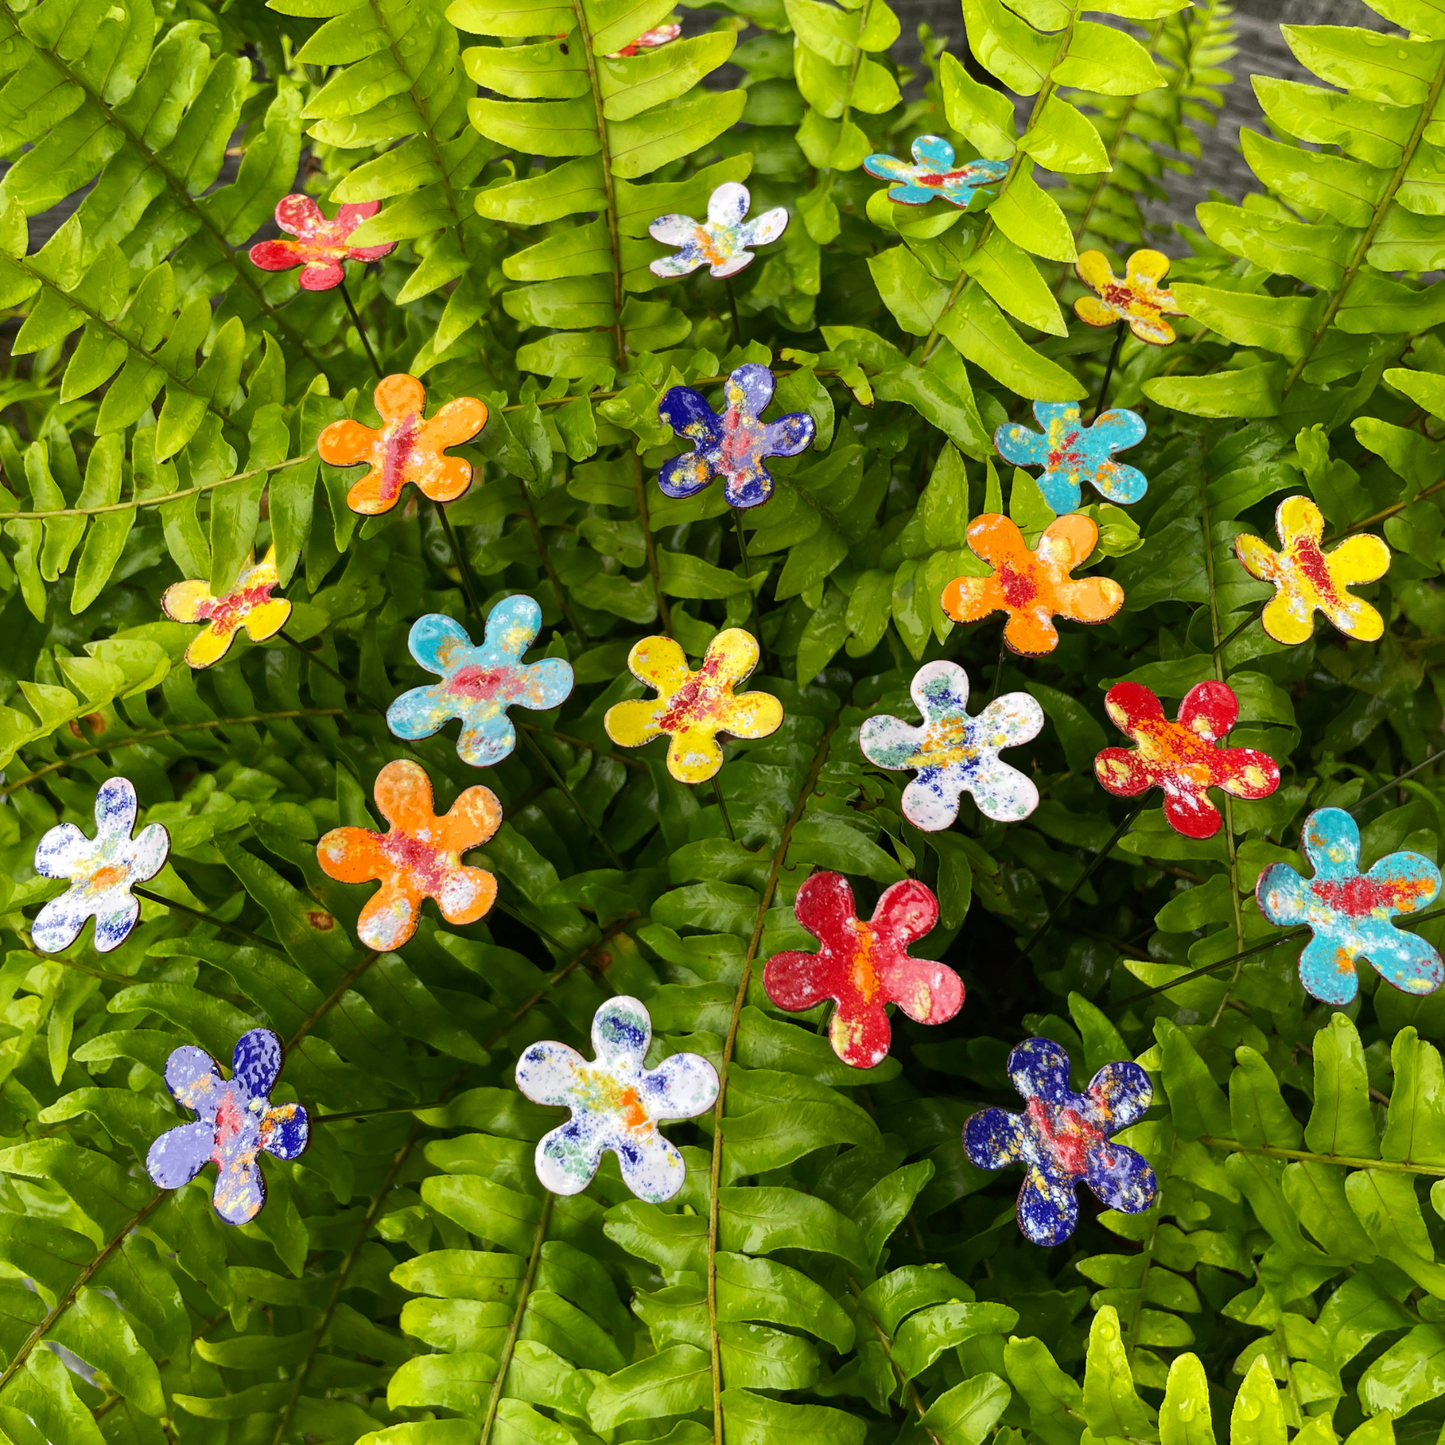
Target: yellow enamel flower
x,y
1306,578
1137,299
248,604
691,708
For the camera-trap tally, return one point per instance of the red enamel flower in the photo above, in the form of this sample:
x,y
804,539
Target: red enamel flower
x,y
320,245
1183,757
862,966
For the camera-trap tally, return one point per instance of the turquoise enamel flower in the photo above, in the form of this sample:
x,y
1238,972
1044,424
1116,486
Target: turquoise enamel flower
x,y
479,684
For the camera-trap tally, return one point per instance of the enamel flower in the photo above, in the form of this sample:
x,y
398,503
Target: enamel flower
x,y
248,604
1033,586
320,245
649,40
419,857
723,242
1308,579
101,871
955,753
933,173
406,447
1351,914
479,684
863,966
616,1104
1071,453
1182,758
731,445
692,708
1063,1140
237,1122
1137,299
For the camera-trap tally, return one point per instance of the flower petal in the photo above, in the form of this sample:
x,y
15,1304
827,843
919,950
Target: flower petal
x,y
1357,560
256,1062
652,1168
319,276
403,793
352,855
267,619
566,1159
859,1031
59,922
930,801
1121,1179
182,601
240,1192
826,908
298,214
621,1033
466,895
390,916
113,924
1039,1068
64,852
660,663
285,1131
455,423
277,255
993,1138
1121,1094
1094,312
674,230
933,153
728,204
1327,971
180,1154
682,1086
1047,1211
512,627
928,992
345,443
193,1077
470,821
1283,895
547,1074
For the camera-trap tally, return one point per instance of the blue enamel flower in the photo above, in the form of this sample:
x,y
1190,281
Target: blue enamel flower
x,y
933,173
101,871
1072,453
1350,913
731,445
479,684
1063,1140
237,1121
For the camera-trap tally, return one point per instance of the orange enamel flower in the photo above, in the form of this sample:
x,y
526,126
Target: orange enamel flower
x,y
1137,299
406,448
1033,586
248,604
420,857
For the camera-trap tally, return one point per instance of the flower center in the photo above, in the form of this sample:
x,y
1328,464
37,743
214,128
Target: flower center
x,y
424,863
398,441
1066,1135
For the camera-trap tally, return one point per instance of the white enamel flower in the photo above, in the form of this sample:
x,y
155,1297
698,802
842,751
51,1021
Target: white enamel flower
x,y
954,752
615,1104
721,242
101,872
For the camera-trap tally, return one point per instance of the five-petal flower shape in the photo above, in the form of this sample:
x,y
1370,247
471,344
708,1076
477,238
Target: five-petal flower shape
x,y
237,1121
616,1104
479,684
933,173
1182,758
649,40
863,966
1350,913
1072,453
1137,299
1033,587
1064,1139
954,752
691,708
248,604
419,857
731,445
1307,578
406,447
722,242
101,871
320,245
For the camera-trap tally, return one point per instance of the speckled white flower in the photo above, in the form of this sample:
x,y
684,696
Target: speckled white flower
x,y
954,752
615,1104
101,871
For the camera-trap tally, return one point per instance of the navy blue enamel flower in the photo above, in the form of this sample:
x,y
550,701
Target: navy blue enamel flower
x,y
1063,1139
731,445
237,1122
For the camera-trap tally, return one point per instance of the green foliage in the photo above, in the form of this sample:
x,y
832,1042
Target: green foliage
x,y
833,1268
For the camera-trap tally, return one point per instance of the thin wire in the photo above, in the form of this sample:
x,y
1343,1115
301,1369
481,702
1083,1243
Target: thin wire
x,y
360,329
463,566
175,907
1109,370
737,320
723,808
1395,782
748,575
